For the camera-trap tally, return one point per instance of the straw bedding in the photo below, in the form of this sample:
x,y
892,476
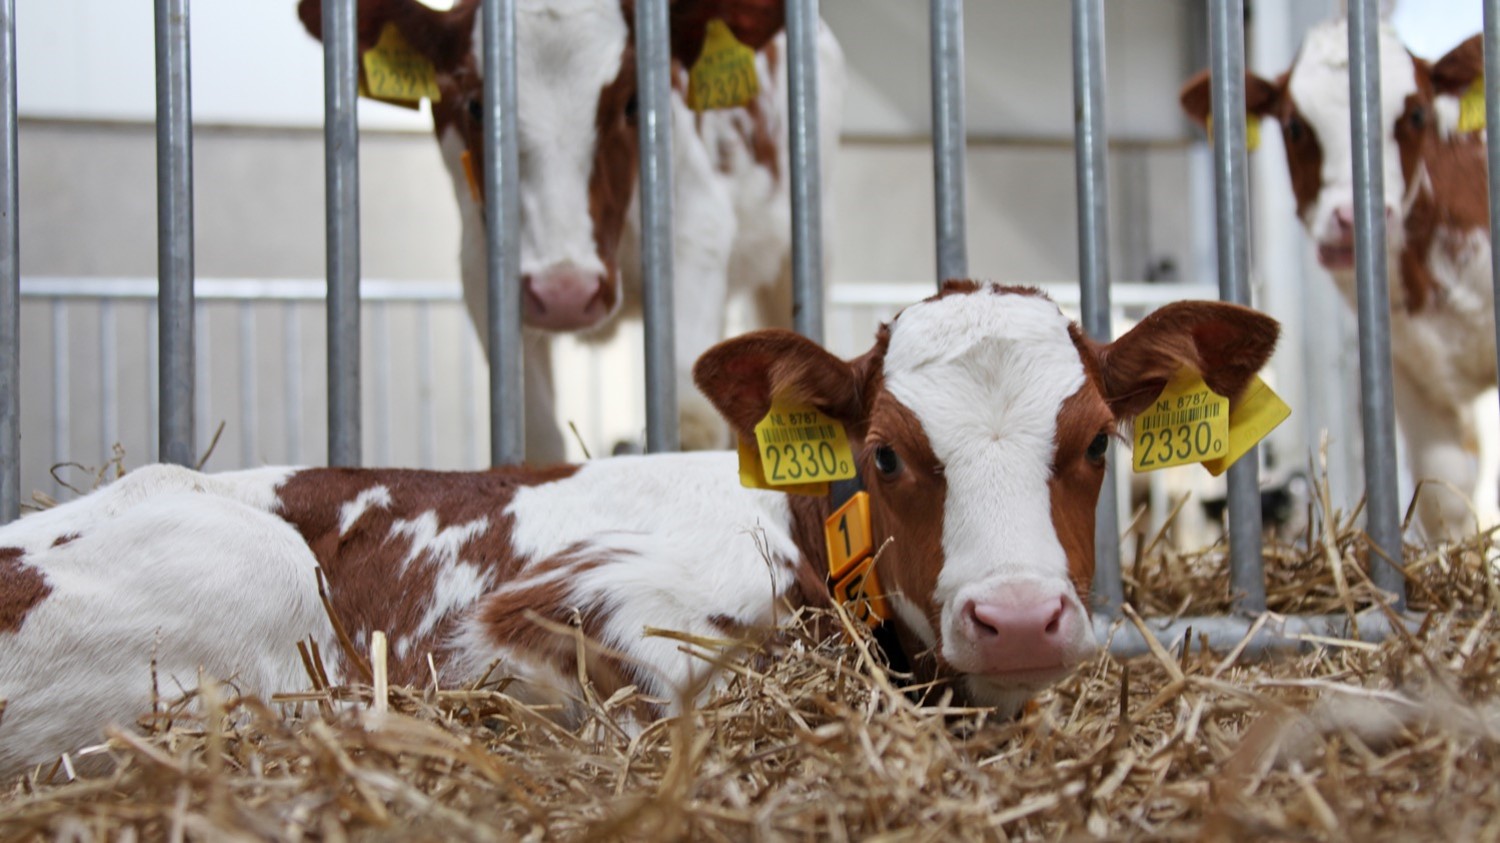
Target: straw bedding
x,y
811,739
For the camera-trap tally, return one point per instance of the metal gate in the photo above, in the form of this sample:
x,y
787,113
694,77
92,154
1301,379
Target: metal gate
x,y
175,301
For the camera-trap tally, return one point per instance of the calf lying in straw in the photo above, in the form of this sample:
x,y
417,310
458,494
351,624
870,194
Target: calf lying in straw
x,y
978,425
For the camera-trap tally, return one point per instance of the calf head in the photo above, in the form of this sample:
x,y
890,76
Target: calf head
x,y
1419,106
981,422
576,130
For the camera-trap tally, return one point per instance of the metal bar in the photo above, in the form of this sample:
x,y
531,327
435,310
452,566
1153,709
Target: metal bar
x,y
10,276
502,228
341,191
174,230
1092,168
653,69
1492,106
948,138
807,186
1383,507
1279,633
1226,35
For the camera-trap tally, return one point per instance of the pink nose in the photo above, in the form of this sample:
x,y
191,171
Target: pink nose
x,y
565,299
1024,628
1343,216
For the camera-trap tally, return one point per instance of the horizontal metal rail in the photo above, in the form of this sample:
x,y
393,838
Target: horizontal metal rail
x,y
1223,633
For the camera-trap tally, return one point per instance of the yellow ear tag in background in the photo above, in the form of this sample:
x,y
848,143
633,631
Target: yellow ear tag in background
x,y
752,476
396,72
724,75
1471,116
800,444
1188,423
1252,131
469,174
1257,413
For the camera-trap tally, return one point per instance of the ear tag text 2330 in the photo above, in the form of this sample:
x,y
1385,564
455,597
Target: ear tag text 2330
x,y
396,73
1187,423
801,444
724,75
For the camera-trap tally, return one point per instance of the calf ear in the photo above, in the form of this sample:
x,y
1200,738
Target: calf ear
x,y
1455,72
753,22
1227,343
1262,97
741,376
438,35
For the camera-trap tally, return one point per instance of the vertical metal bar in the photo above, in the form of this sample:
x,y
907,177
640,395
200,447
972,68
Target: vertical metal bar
x,y
10,276
502,226
807,184
1492,106
62,403
653,69
341,192
1382,509
1092,168
1226,35
948,137
249,406
174,229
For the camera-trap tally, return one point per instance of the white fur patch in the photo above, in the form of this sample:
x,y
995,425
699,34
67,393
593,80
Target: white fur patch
x,y
351,512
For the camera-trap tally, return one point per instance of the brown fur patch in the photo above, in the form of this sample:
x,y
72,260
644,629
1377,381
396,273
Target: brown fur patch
x,y
1076,480
22,587
372,583
64,539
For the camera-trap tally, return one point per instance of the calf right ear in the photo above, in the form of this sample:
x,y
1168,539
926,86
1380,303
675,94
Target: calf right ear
x,y
1262,97
742,376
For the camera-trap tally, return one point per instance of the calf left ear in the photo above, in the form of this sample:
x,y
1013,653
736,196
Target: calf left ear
x,y
741,376
1455,72
1227,343
753,22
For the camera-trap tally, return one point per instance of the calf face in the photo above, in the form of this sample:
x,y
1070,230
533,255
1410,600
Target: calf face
x,y
1419,106
981,422
576,130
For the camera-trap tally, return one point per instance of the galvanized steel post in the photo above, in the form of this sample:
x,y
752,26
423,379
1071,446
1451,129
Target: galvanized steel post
x,y
10,275
653,55
341,180
1092,173
1226,31
502,228
174,230
948,138
1492,106
1382,508
807,190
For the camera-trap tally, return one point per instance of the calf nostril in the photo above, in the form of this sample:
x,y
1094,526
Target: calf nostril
x,y
1055,622
981,626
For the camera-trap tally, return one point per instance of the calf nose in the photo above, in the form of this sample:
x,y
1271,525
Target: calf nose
x,y
565,299
1023,628
1343,215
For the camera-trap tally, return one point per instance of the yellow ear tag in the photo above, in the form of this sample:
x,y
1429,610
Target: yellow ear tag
x,y
752,476
800,444
724,75
1257,413
1471,116
851,563
1188,423
469,174
396,72
1252,131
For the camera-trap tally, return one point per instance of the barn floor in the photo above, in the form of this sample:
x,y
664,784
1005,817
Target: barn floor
x,y
1395,741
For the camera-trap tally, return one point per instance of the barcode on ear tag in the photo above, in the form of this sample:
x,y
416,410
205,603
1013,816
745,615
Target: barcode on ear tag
x,y
1187,423
801,444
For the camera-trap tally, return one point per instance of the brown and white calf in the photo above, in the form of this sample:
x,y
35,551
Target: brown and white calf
x,y
1437,228
979,421
576,89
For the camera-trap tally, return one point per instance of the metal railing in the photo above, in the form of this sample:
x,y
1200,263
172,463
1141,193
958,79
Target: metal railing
x,y
343,286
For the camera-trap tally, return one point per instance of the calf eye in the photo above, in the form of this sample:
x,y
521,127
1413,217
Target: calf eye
x,y
1417,117
476,110
886,461
1098,448
632,107
1294,128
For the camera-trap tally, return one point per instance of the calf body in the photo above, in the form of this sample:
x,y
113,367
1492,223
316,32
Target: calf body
x,y
579,156
979,421
1437,237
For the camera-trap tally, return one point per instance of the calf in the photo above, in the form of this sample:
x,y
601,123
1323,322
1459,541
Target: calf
x,y
577,134
1437,228
979,422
